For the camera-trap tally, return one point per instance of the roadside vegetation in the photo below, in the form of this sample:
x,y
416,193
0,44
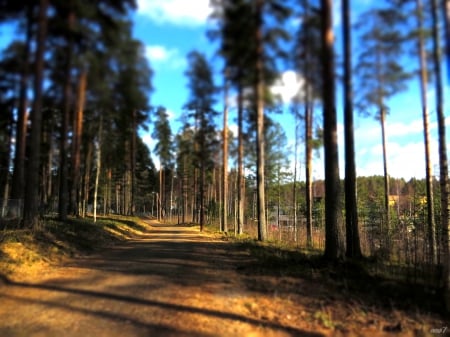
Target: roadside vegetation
x,y
25,251
343,295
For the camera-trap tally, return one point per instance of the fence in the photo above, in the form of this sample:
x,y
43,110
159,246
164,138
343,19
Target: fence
x,y
401,251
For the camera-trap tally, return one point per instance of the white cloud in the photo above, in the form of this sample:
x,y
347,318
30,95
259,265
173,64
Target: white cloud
x,y
399,129
158,54
287,86
148,140
177,12
405,149
405,160
234,129
170,114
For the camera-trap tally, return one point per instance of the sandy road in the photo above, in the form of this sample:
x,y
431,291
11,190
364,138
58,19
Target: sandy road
x,y
172,281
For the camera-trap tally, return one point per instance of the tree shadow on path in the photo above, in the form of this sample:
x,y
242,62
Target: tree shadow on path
x,y
165,257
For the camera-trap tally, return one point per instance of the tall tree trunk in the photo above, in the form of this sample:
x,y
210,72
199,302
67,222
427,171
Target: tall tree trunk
x,y
195,197
18,180
5,160
443,161
308,168
333,249
133,162
385,174
353,249
161,191
98,166
308,111
202,197
426,133
382,117
240,173
76,143
31,204
48,185
66,104
171,195
260,143
87,176
294,187
224,227
185,190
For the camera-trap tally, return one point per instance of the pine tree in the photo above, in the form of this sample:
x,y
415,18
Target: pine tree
x,y
31,202
353,247
163,148
200,105
380,75
308,44
443,160
333,249
18,180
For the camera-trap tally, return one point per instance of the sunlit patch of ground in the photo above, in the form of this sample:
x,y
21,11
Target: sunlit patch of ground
x,y
162,280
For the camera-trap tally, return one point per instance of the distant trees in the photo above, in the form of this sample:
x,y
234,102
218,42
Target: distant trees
x,y
200,107
164,149
235,21
248,38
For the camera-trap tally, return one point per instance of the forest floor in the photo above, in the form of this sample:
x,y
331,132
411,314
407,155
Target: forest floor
x,y
175,281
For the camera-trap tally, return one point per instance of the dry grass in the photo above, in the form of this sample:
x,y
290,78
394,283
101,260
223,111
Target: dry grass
x,y
24,253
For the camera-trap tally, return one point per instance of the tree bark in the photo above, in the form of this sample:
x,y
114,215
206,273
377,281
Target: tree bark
x,y
260,143
443,161
308,169
333,249
98,166
426,134
225,159
308,130
87,176
18,180
353,249
161,191
76,143
66,103
133,162
385,171
294,187
240,173
31,203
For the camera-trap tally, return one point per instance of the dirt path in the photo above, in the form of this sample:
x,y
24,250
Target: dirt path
x,y
172,281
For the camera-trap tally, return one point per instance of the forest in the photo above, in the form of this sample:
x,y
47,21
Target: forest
x,y
75,100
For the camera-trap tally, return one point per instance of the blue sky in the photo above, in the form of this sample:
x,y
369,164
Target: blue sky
x,y
171,28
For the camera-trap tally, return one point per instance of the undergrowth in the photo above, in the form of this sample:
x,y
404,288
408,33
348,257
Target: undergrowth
x,y
351,279
56,240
